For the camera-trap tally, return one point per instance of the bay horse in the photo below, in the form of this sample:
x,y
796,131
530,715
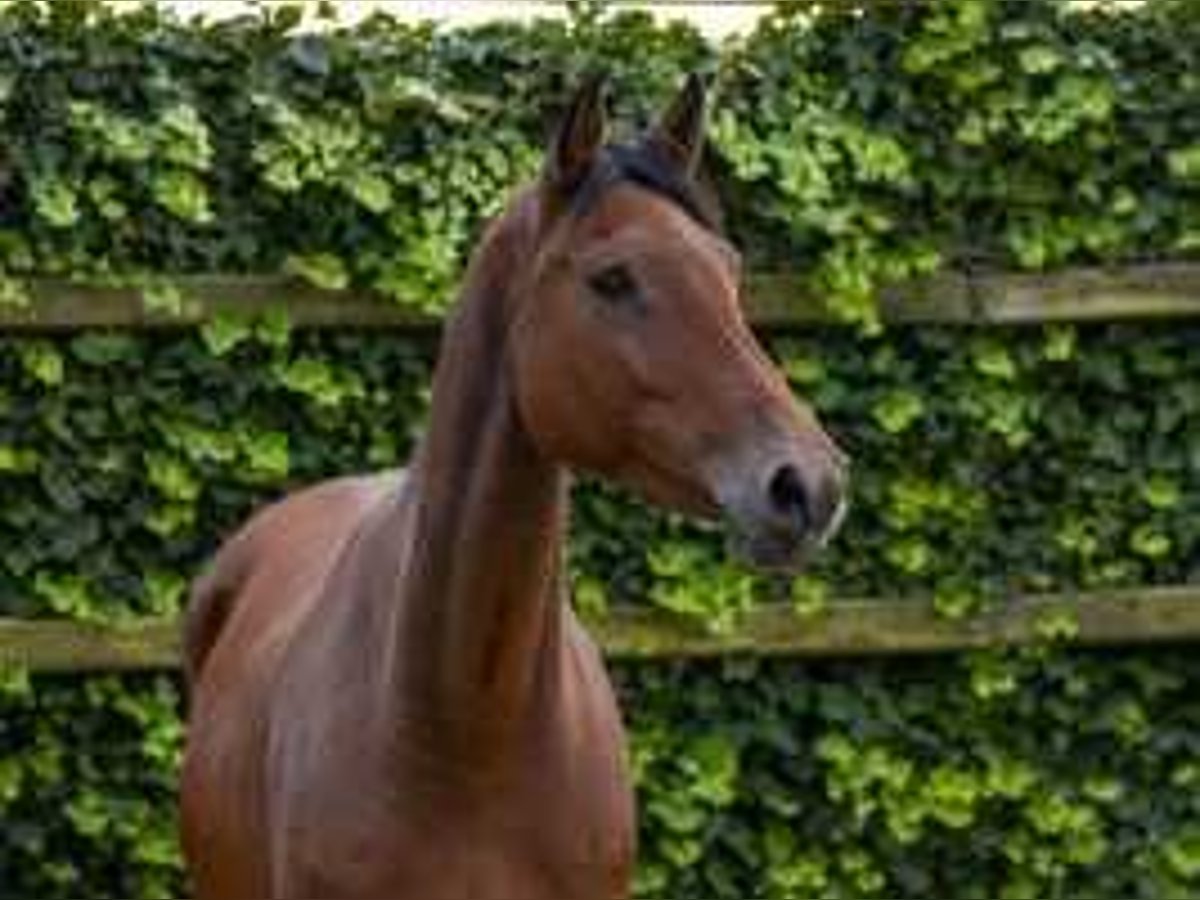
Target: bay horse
x,y
390,694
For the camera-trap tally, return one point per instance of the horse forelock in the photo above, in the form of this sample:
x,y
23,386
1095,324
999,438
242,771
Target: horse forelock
x,y
514,237
641,163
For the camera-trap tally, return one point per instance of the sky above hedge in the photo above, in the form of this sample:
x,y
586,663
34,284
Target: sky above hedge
x,y
716,18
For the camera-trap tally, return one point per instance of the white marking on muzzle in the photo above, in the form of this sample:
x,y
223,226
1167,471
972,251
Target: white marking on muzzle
x,y
835,523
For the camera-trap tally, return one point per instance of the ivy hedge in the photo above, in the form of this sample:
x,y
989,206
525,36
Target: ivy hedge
x,y
858,143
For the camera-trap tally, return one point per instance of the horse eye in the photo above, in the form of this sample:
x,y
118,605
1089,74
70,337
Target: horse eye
x,y
614,283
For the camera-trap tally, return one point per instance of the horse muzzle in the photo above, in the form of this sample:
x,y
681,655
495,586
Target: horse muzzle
x,y
783,506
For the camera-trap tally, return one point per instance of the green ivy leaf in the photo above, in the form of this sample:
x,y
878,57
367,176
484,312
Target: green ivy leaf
x,y
224,331
910,555
43,362
184,195
992,359
13,293
1182,853
1184,163
1056,624
371,190
1148,541
274,328
17,461
324,270
591,598
172,477
809,596
266,454
185,142
1161,492
56,202
162,296
1038,60
897,411
1060,343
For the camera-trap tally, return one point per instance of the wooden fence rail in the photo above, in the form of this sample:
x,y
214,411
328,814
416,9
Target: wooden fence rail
x,y
1078,295
845,628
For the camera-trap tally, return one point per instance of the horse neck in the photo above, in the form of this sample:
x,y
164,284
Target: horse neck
x,y
482,606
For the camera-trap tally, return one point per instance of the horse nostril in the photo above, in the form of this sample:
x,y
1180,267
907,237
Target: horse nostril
x,y
788,496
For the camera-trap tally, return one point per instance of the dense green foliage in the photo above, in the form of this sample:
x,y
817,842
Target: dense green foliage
x,y
989,462
126,457
859,146
967,134
863,147
1071,776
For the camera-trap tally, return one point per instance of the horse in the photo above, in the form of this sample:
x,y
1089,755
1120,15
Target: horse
x,y
389,693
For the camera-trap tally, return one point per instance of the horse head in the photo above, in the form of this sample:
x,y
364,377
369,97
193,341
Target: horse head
x,y
631,355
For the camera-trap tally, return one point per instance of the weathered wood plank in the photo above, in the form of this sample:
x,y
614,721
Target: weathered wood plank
x,y
1163,290
62,646
883,627
847,628
66,306
776,300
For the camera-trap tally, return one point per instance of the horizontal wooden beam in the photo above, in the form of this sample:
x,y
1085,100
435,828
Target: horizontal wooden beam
x,y
65,306
1152,291
846,628
63,646
891,627
776,300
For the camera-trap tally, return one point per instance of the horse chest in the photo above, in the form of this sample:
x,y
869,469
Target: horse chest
x,y
554,831
357,814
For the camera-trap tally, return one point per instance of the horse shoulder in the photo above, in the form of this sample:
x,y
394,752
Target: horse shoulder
x,y
242,614
279,548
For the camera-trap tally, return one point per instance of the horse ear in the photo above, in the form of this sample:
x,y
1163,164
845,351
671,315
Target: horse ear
x,y
579,136
680,131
